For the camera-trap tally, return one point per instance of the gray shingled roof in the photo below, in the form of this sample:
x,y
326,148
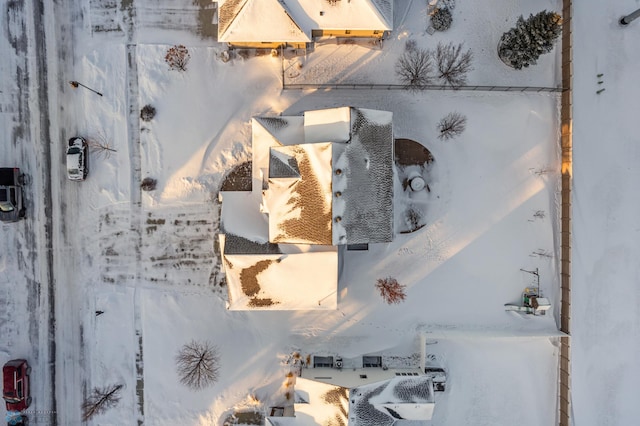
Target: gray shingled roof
x,y
368,216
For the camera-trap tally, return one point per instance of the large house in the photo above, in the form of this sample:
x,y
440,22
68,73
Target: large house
x,y
359,396
321,183
296,23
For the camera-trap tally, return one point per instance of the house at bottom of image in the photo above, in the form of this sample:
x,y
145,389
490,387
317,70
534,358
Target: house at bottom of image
x,y
358,396
322,183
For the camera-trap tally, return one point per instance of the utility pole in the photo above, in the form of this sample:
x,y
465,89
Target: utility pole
x,y
626,20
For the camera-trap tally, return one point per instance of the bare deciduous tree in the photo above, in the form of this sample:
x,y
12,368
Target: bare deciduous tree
x,y
453,64
198,364
178,57
451,125
414,69
101,147
100,400
391,290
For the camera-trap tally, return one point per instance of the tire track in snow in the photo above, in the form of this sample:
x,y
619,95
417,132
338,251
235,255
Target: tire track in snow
x,y
133,129
44,136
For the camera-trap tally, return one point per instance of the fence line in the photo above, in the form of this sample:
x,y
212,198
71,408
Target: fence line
x,y
566,145
363,86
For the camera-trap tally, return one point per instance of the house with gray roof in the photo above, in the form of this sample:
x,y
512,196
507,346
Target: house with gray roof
x,y
321,181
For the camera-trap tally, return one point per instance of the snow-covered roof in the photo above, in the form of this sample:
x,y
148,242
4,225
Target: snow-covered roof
x,y
299,207
306,199
335,186
392,402
385,402
343,14
256,21
332,124
406,398
316,403
293,20
251,224
354,377
305,280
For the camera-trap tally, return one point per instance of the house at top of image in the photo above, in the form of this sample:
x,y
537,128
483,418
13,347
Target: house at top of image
x,y
298,23
321,183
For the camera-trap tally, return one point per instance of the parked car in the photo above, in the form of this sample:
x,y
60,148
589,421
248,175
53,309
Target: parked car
x,y
12,207
77,159
16,418
16,389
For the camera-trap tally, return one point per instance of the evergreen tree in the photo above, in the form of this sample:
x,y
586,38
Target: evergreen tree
x,y
523,44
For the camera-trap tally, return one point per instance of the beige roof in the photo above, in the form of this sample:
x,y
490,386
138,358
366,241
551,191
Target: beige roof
x,y
257,21
299,207
293,20
282,281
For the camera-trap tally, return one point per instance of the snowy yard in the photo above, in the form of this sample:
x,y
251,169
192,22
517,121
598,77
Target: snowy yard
x,y
149,260
487,186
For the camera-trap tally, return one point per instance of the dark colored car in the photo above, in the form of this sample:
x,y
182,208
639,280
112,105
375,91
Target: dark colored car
x,y
16,389
11,204
77,159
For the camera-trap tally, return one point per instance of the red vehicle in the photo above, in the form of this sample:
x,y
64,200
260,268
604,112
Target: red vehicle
x,y
16,392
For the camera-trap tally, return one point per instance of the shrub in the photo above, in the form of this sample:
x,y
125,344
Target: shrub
x,y
148,184
147,113
178,57
410,45
441,19
447,4
391,290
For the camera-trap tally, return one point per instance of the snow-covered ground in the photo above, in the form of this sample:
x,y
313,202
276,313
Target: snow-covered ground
x,y
147,259
605,318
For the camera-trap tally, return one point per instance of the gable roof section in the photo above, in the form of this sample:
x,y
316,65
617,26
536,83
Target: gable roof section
x,y
331,193
406,398
276,281
300,207
343,14
258,21
366,180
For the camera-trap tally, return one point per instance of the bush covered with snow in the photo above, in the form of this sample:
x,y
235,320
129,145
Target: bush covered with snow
x,y
523,44
441,19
